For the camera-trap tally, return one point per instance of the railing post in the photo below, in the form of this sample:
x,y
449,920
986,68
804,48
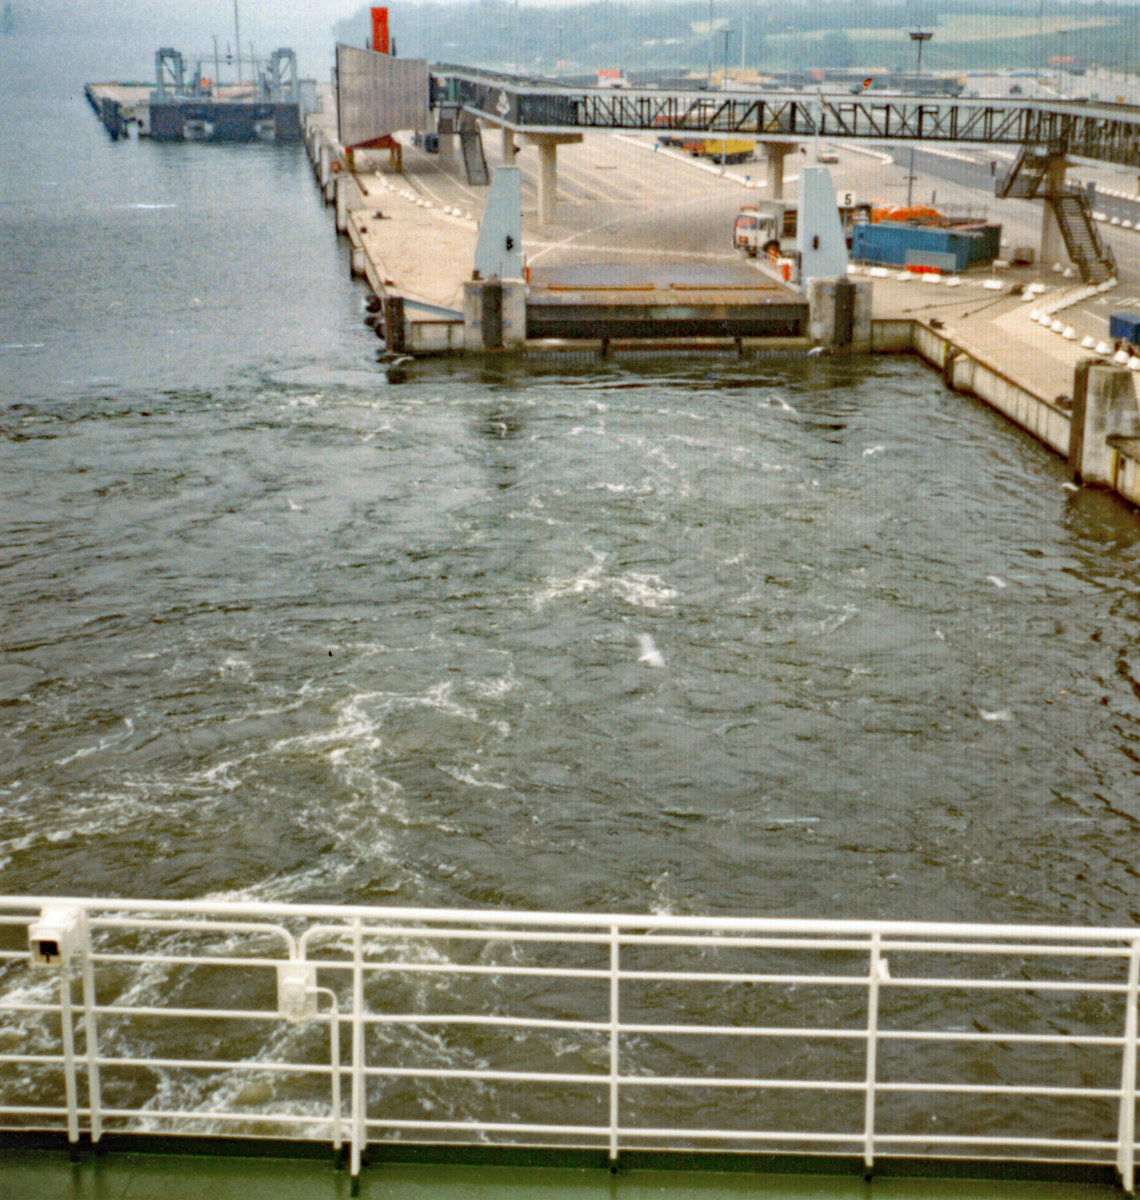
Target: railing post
x,y
876,972
334,1057
1126,1133
615,1057
91,1035
357,1101
67,1033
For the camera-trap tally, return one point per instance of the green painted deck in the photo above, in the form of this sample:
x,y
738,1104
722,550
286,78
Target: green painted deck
x,y
223,1173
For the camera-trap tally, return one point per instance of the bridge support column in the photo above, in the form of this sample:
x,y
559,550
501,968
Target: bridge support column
x,y
547,144
1052,240
509,147
775,153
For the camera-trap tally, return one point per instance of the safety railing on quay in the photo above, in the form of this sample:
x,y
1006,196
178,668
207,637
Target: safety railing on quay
x,y
361,1026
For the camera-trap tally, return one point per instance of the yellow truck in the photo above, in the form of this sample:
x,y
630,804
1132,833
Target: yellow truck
x,y
715,149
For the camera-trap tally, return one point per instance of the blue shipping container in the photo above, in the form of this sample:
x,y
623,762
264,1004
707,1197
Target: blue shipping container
x,y
1125,325
893,244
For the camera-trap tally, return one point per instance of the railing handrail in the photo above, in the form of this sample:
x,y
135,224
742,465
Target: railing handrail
x,y
860,1030
474,917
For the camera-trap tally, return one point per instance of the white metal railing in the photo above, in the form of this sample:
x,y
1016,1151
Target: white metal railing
x,y
569,1030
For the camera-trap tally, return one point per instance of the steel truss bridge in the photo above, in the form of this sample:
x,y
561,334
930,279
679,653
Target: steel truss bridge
x,y
1107,132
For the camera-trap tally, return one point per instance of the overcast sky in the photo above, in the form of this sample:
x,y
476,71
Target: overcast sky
x,y
136,28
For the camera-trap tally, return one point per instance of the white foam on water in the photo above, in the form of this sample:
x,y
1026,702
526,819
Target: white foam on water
x,y
837,620
1000,714
640,589
104,743
220,775
778,403
470,776
237,667
622,489
649,655
492,689
997,581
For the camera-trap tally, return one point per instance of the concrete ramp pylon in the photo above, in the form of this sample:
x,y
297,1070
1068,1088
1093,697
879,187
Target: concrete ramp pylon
x,y
498,252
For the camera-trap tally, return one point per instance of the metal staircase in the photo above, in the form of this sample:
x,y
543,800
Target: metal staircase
x,y
1091,255
1026,179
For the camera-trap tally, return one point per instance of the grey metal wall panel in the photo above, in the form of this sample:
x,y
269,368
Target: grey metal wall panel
x,y
378,94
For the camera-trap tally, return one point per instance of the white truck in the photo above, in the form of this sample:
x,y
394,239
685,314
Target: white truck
x,y
759,227
769,226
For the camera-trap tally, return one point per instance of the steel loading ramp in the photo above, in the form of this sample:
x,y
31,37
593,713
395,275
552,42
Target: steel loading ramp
x,y
474,160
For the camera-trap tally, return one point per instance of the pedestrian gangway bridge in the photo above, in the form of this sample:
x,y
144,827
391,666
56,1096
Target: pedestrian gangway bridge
x,y
1107,132
548,115
608,1042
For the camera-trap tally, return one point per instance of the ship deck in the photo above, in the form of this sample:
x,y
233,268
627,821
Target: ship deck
x,y
264,1171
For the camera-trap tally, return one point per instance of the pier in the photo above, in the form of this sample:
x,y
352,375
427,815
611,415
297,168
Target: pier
x,y
1030,340
185,105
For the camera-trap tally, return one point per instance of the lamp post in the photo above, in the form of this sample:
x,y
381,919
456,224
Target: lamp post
x,y
918,36
726,34
708,80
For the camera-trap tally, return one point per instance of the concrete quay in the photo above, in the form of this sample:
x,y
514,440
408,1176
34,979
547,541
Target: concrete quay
x,y
985,343
413,231
628,211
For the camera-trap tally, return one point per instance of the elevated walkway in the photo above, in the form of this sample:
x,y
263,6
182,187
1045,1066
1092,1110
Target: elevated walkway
x,y
1104,132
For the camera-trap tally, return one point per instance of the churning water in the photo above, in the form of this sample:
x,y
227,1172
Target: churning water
x,y
699,636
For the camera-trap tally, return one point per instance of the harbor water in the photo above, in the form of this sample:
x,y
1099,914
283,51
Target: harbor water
x,y
814,638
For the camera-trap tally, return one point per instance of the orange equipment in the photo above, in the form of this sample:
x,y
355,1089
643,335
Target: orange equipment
x,y
380,30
